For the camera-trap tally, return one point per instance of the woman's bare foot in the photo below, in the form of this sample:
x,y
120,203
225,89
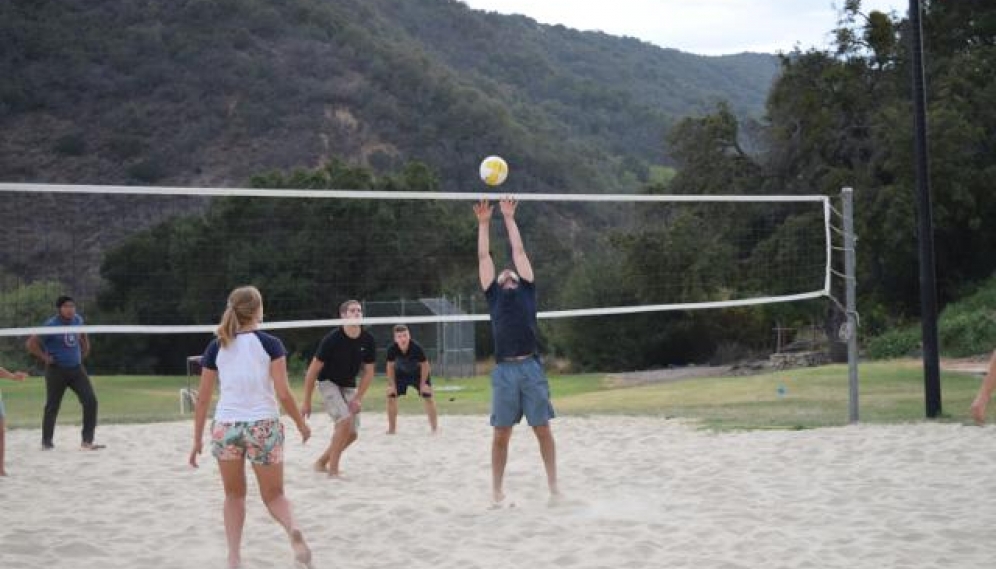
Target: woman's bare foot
x,y
320,466
234,562
497,500
556,499
302,553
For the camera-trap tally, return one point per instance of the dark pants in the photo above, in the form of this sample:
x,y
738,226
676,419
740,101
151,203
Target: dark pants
x,y
57,379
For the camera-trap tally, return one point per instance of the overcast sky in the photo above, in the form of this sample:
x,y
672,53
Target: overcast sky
x,y
709,27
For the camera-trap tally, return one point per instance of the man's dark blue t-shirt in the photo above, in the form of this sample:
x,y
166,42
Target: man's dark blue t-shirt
x,y
513,319
64,348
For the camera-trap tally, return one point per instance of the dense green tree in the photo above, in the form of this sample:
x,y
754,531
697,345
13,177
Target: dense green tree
x,y
24,304
307,256
837,118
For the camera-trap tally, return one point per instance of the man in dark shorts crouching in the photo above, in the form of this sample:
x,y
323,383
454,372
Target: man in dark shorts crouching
x,y
407,366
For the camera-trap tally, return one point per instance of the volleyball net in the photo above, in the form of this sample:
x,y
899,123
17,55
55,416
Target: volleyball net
x,y
161,260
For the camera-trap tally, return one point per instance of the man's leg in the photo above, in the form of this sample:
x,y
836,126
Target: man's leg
x,y
80,383
322,464
2,437
548,450
392,414
539,411
342,437
506,411
430,411
343,430
55,388
499,457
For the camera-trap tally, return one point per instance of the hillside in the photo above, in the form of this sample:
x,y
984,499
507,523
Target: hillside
x,y
212,91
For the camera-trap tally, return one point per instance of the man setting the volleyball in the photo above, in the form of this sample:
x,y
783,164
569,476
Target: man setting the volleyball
x,y
518,384
338,360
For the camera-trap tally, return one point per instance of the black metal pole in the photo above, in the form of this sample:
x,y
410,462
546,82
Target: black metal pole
x,y
928,286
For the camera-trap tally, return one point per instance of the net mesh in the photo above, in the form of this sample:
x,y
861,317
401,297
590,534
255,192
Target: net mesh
x,y
156,260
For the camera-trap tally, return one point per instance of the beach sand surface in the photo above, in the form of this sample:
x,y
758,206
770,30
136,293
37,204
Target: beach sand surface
x,y
640,492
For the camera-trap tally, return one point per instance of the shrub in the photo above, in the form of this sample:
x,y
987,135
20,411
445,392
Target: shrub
x,y
895,343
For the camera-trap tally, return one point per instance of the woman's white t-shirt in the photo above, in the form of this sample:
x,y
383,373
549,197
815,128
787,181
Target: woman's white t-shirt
x,y
245,385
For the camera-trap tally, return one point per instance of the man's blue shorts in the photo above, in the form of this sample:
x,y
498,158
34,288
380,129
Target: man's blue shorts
x,y
520,388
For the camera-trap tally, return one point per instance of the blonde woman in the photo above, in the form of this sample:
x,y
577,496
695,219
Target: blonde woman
x,y
250,367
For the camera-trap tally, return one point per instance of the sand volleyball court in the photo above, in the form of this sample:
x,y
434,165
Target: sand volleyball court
x,y
642,492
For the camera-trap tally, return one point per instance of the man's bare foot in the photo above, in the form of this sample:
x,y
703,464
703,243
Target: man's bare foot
x,y
556,499
302,553
337,475
234,562
389,432
3,472
320,466
497,500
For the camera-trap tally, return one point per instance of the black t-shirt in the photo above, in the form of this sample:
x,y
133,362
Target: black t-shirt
x,y
343,356
513,319
406,364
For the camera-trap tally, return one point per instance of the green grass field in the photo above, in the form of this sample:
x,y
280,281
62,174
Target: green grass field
x,y
891,392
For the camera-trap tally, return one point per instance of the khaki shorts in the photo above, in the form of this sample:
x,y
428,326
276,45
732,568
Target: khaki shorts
x,y
337,402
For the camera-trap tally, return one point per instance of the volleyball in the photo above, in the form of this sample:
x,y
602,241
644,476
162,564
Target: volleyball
x,y
494,170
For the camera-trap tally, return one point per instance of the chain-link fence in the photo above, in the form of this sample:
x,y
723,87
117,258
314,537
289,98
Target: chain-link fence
x,y
448,345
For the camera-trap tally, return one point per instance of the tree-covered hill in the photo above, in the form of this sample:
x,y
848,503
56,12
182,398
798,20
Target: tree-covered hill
x,y
213,91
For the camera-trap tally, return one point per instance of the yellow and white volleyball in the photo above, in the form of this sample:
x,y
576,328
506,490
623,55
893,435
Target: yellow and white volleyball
x,y
494,170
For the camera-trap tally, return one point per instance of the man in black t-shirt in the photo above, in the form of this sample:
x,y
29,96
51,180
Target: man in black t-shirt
x,y
339,358
519,387
407,367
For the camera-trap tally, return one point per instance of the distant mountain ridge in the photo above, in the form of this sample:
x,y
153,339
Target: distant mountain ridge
x,y
212,91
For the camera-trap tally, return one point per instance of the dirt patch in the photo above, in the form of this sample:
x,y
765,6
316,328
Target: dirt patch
x,y
973,364
669,375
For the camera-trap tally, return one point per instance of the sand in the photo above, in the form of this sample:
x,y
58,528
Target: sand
x,y
642,492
